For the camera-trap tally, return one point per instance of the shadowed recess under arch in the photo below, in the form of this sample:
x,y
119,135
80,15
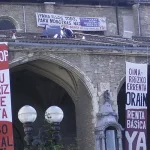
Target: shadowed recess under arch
x,y
28,88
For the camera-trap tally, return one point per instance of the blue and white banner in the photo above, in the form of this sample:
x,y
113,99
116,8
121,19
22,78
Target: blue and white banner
x,y
74,23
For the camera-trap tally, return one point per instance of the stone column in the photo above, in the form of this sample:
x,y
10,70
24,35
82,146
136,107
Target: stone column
x,y
107,118
49,7
97,145
102,137
119,136
136,16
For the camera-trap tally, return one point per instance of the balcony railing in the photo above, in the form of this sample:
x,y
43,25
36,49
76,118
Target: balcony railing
x,y
6,36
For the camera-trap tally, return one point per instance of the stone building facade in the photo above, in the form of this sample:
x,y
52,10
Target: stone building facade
x,y
92,73
23,16
84,71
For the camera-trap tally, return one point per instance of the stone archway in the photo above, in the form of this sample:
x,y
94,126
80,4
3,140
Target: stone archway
x,y
81,93
9,23
59,61
29,88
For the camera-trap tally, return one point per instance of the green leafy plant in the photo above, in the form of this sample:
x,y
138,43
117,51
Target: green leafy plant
x,y
73,146
45,140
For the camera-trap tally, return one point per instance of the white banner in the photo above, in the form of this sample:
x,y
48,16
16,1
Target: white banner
x,y
6,131
136,107
72,22
136,84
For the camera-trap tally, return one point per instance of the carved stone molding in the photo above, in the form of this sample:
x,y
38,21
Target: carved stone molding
x,y
57,60
107,118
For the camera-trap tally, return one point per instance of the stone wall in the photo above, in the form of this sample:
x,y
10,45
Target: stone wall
x,y
124,12
91,11
103,70
145,20
15,11
96,71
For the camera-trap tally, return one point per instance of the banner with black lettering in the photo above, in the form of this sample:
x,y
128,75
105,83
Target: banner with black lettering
x,y
136,106
72,22
6,132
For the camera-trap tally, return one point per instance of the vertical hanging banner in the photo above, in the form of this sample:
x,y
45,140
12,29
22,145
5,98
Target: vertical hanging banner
x,y
6,132
136,106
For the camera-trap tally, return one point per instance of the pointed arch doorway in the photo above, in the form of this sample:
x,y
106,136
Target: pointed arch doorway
x,y
41,83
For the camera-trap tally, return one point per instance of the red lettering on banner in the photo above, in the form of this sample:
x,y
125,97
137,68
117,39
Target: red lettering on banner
x,y
2,100
6,132
1,77
4,89
4,114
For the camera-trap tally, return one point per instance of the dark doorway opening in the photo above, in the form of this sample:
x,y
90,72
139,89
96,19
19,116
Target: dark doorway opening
x,y
6,24
29,88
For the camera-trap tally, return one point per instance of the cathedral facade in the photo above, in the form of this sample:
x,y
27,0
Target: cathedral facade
x,y
73,74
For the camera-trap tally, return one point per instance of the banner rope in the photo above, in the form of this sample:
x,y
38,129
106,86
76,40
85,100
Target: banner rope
x,y
147,55
124,48
109,70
